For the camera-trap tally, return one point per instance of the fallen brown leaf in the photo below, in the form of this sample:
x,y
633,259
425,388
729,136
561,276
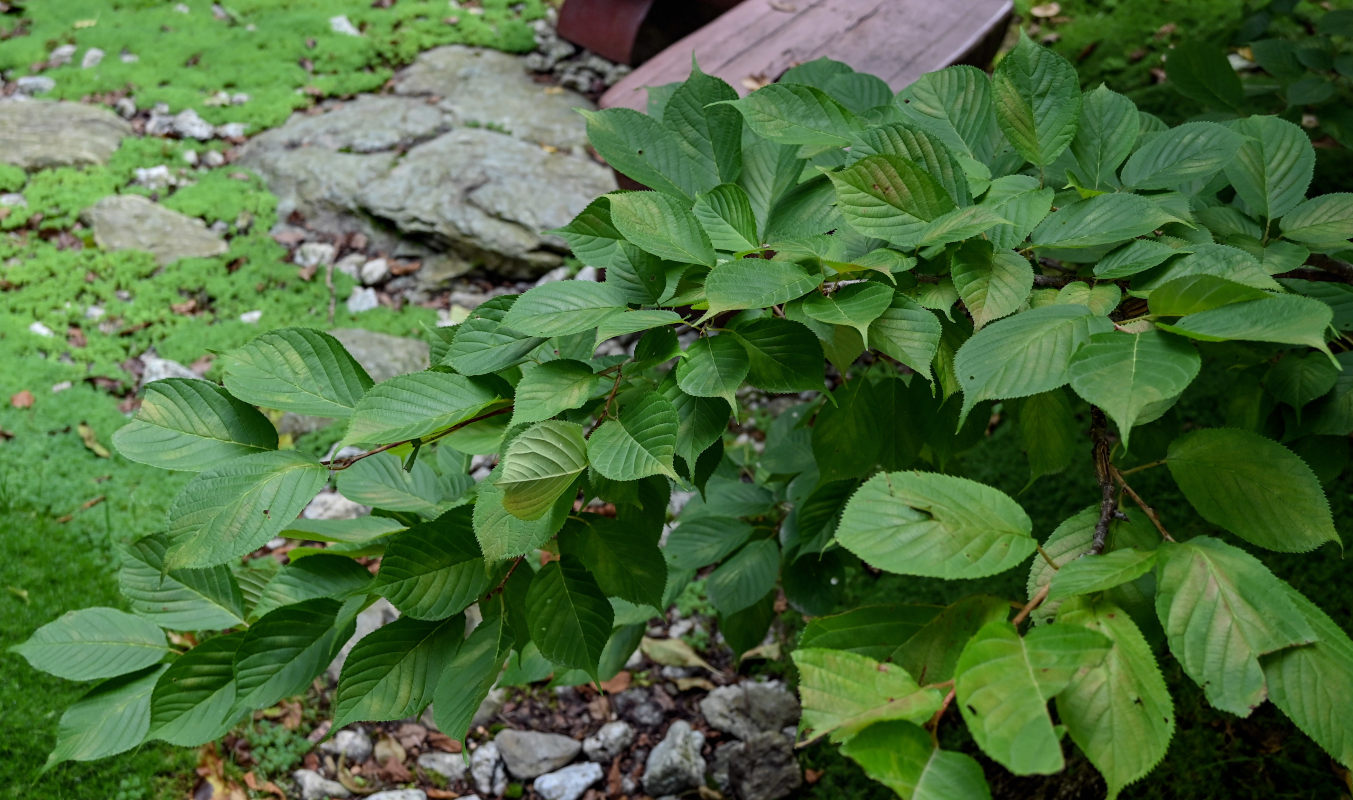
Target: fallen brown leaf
x,y
617,684
1045,10
23,399
75,337
266,786
91,440
440,741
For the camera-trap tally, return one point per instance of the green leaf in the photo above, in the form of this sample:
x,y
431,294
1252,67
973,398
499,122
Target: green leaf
x,y
1095,573
931,653
1299,378
318,575
702,420
742,580
435,569
1223,261
1099,220
94,643
855,306
714,366
907,333
1072,538
190,425
623,324
890,198
483,344
1222,609
235,508
1190,152
1253,487
299,370
111,718
569,615
392,672
468,677
625,563
872,631
1019,200
697,542
590,235
1048,432
1136,256
725,213
712,130
661,225
540,465
1119,712
1025,354
992,284
755,283
640,147
924,523
1309,683
1191,294
1326,220
547,389
1107,132
959,224
1003,682
185,599
797,114
286,649
843,693
1038,101
410,406
640,443
382,482
783,356
954,104
1128,374
502,535
903,757
1201,72
560,308
915,144
1273,168
193,701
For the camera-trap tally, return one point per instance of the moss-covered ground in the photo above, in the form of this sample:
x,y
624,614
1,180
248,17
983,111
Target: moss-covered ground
x,y
65,508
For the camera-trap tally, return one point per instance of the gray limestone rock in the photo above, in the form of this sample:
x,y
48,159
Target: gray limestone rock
x,y
190,125
131,222
315,786
383,356
369,124
609,741
529,754
318,183
39,134
484,194
636,706
568,783
675,765
492,88
399,794
451,766
332,505
363,298
374,616
486,770
154,368
763,767
351,743
749,708
35,84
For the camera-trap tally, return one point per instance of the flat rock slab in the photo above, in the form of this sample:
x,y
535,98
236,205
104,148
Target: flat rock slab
x,y
37,133
467,165
383,356
131,222
530,754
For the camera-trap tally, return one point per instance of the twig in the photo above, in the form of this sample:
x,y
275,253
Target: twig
x,y
1322,268
1034,602
337,464
1142,467
1108,503
495,590
935,720
606,409
1147,510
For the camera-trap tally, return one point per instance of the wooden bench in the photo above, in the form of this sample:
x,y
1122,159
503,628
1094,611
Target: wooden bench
x,y
757,40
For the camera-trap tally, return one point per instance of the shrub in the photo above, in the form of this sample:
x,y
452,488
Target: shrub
x,y
908,271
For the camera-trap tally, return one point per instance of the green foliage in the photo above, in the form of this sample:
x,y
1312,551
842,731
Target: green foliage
x,y
943,276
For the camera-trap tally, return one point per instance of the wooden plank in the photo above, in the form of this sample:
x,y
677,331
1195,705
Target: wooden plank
x,y
606,27
897,40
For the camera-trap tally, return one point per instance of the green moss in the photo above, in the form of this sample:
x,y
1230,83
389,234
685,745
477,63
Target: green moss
x,y
12,178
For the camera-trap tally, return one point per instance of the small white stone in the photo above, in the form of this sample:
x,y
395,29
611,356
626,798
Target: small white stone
x,y
218,99
375,271
125,107
156,177
343,25
239,98
35,84
451,766
61,387
232,130
568,783
190,157
399,794
314,254
62,55
363,298
351,265
13,199
315,786
354,744
40,329
609,742
214,158
332,505
251,317
93,57
190,125
183,8
94,313
129,58
586,274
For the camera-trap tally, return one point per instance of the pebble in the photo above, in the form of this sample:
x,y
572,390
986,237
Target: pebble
x,y
609,741
35,84
125,107
568,783
343,25
636,706
399,794
232,130
94,313
350,265
529,754
128,58
189,125
154,368
251,317
61,55
156,177
13,199
375,271
61,387
315,786
214,158
332,505
363,298
351,743
451,766
675,765
314,254
586,274
486,770
93,57
40,329
190,157
750,708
